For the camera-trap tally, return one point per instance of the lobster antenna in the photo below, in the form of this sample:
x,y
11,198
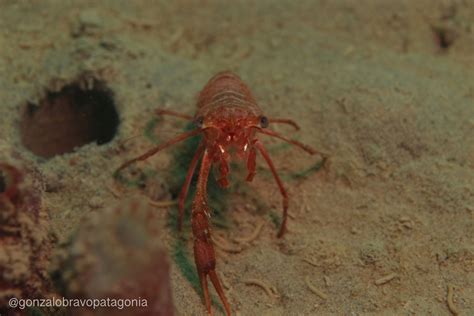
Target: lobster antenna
x,y
284,121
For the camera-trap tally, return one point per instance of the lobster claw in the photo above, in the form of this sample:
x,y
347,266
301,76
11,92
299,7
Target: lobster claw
x,y
205,259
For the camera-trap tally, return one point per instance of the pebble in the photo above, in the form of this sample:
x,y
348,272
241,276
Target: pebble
x,y
96,202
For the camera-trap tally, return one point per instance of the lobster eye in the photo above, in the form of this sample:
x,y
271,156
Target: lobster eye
x,y
263,121
199,121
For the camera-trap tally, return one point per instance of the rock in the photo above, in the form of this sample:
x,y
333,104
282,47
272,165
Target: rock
x,y
25,242
118,254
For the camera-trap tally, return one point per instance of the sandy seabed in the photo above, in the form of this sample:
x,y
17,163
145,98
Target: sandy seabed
x,y
385,87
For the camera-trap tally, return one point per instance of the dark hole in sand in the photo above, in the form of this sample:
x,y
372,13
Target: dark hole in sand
x,y
80,113
445,37
3,182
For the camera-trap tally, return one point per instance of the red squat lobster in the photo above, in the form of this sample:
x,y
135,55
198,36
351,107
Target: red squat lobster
x,y
229,118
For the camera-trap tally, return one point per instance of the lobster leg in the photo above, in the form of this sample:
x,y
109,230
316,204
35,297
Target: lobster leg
x,y
306,148
224,171
158,148
185,188
251,163
204,254
283,192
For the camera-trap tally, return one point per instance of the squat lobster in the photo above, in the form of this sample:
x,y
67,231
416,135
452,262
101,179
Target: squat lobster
x,y
229,118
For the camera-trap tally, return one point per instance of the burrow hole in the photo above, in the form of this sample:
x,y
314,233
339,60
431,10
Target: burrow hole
x,y
81,112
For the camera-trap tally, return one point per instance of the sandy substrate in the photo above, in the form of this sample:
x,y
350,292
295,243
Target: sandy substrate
x,y
385,87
